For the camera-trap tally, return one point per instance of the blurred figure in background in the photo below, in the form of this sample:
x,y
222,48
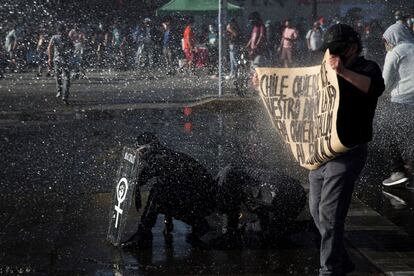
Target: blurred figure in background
x,y
41,49
117,39
169,45
212,46
314,41
78,39
287,44
100,44
401,18
3,61
270,36
189,44
234,38
372,42
256,46
60,51
11,46
145,52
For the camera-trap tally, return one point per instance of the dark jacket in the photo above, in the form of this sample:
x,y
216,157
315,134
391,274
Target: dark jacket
x,y
184,188
357,109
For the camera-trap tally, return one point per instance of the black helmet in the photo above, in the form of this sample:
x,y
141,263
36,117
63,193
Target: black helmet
x,y
145,144
339,37
254,16
400,15
145,139
61,27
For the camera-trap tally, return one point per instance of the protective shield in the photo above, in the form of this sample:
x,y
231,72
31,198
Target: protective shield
x,y
122,195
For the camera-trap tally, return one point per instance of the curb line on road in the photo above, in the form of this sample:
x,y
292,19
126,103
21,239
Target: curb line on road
x,y
9,117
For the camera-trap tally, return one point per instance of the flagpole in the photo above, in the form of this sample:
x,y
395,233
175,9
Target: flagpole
x,y
219,46
222,18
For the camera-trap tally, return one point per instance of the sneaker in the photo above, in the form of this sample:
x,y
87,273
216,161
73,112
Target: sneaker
x,y
395,201
395,179
58,94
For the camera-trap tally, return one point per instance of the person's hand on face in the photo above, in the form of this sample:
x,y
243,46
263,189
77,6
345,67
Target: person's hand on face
x,y
336,64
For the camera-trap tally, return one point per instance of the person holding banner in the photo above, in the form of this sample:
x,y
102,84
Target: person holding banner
x,y
332,183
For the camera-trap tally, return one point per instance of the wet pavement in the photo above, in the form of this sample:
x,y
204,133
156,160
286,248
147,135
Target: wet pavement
x,y
59,165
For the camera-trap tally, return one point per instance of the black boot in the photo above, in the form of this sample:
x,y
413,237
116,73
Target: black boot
x,y
141,239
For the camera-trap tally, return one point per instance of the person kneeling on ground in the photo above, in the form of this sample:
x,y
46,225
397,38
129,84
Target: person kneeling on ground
x,y
184,190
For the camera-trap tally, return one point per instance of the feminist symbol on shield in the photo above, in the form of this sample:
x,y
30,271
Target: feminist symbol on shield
x,y
121,191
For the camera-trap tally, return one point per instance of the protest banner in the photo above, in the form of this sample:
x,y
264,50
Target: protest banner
x,y
303,106
122,195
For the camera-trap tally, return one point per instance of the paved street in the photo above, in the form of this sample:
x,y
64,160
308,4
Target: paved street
x,y
59,164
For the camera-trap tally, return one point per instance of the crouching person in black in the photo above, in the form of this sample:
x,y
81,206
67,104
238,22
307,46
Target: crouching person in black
x,y
184,190
262,204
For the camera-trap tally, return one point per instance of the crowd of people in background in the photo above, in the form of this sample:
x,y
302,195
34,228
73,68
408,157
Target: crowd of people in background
x,y
177,43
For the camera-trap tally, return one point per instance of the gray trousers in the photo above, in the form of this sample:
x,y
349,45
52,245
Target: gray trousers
x,y
144,56
62,75
330,194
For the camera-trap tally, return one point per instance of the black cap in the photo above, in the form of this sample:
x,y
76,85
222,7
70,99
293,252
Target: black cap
x,y
339,36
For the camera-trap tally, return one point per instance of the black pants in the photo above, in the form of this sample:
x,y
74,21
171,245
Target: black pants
x,y
330,195
400,135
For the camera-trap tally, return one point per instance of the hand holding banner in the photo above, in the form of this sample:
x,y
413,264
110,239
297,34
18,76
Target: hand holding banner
x,y
303,105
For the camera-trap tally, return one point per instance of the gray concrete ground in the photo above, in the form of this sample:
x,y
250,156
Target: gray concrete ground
x,y
59,162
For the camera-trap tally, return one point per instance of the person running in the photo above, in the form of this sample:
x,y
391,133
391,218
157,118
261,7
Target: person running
x,y
60,51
